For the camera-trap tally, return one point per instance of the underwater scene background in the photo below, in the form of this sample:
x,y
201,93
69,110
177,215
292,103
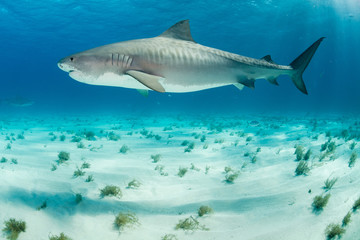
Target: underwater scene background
x,y
81,161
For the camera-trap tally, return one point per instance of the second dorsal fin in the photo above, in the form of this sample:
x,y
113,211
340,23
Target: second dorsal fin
x,y
180,30
267,58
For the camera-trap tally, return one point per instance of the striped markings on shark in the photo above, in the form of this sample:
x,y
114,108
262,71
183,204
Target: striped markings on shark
x,y
174,62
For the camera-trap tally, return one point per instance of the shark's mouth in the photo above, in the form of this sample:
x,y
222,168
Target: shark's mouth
x,y
81,76
73,73
66,67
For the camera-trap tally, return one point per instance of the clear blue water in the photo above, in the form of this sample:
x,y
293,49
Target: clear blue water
x,y
268,199
36,34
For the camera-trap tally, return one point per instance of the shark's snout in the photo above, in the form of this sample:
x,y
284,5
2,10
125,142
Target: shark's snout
x,y
61,64
65,65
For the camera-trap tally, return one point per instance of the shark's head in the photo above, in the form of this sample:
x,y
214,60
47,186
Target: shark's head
x,y
99,67
83,67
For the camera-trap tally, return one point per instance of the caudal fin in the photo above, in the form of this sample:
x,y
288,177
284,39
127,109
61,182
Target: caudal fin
x,y
300,63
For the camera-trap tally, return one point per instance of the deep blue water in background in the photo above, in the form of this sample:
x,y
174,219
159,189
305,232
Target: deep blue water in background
x,y
36,34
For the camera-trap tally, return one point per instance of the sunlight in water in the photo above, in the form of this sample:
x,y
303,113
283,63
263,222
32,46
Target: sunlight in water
x,y
351,8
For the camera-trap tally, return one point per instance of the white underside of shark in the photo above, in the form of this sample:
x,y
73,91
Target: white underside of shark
x,y
126,81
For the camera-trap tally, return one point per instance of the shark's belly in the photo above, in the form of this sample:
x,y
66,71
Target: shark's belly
x,y
193,88
189,84
116,80
187,80
179,84
176,78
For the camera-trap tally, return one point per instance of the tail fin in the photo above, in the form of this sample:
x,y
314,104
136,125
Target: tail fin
x,y
300,63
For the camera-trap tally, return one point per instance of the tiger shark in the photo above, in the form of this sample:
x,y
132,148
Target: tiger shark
x,y
174,62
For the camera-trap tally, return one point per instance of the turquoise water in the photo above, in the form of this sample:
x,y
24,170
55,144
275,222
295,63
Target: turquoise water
x,y
243,167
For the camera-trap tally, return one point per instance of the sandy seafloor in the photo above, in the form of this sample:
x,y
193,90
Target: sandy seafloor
x,y
266,201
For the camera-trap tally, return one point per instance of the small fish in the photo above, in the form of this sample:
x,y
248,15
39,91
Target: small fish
x,y
174,62
18,102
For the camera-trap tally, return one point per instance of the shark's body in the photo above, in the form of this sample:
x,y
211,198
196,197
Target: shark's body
x,y
173,62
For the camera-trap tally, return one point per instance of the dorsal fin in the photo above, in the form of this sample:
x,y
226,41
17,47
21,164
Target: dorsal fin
x,y
267,58
180,30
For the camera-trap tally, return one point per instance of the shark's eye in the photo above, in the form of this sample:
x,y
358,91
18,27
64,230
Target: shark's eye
x,y
71,59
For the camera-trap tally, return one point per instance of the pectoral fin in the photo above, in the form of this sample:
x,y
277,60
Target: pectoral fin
x,y
151,81
239,86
